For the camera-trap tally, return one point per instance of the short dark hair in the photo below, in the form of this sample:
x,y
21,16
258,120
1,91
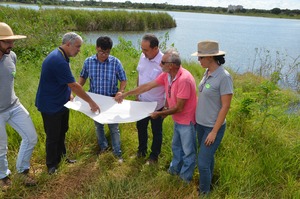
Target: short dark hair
x,y
152,40
104,42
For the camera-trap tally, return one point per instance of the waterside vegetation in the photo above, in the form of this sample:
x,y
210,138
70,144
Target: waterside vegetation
x,y
45,26
258,158
106,20
274,12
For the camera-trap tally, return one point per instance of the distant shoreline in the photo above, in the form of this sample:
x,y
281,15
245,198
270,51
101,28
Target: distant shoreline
x,y
273,13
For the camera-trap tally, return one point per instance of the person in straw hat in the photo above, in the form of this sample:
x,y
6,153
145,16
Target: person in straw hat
x,y
13,112
214,98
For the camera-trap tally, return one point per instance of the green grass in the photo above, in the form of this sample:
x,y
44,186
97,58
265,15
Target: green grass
x,y
258,157
255,159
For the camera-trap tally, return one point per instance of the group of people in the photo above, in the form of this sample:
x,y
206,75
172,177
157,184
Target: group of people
x,y
161,78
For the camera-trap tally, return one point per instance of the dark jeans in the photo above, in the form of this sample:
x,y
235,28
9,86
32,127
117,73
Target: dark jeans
x,y
142,126
55,125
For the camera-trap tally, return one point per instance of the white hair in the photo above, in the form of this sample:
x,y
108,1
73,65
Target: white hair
x,y
70,37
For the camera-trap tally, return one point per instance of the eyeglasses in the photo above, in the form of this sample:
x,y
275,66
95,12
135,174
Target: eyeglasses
x,y
166,62
201,57
106,52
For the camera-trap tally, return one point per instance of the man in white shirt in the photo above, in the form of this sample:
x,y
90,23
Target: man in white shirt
x,y
148,69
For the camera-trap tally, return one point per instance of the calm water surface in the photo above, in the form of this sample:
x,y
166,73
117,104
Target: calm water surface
x,y
240,36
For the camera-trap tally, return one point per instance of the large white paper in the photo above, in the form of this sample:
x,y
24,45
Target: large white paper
x,y
111,111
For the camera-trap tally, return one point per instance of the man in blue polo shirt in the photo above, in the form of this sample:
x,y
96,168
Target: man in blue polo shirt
x,y
55,86
104,72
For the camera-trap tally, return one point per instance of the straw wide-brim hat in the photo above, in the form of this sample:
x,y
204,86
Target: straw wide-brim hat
x,y
7,33
208,48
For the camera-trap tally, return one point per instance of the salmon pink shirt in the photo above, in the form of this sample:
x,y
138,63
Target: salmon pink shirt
x,y
183,86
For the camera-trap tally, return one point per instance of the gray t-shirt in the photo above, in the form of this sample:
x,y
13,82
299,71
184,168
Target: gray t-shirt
x,y
8,97
210,90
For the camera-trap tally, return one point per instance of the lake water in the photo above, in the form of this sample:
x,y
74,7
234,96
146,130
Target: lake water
x,y
240,36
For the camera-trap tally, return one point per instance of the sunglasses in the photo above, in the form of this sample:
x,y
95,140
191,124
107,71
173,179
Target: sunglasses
x,y
165,62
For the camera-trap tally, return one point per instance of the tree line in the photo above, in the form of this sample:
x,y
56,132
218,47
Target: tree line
x,y
295,13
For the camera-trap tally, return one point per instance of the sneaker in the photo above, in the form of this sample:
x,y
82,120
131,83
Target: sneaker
x,y
5,183
27,179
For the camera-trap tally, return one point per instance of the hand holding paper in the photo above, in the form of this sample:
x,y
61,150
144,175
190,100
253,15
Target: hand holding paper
x,y
112,111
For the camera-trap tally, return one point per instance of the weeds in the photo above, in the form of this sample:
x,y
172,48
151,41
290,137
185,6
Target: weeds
x,y
258,157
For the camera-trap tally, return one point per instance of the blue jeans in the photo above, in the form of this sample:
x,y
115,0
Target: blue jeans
x,y
18,118
206,159
156,126
184,151
115,138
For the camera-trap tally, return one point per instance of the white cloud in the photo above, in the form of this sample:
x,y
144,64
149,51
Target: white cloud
x,y
248,4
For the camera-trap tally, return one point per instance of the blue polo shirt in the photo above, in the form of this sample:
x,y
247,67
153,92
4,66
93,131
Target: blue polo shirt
x,y
53,91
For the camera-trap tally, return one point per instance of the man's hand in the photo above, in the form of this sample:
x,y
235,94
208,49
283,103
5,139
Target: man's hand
x,y
71,97
94,107
154,115
119,97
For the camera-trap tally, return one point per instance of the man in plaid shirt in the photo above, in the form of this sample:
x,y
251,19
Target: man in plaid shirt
x,y
105,72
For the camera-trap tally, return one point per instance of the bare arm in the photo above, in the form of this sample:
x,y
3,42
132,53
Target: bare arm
x,y
81,81
122,86
138,90
225,100
78,90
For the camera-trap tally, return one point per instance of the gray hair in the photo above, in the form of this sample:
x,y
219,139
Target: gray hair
x,y
173,56
71,37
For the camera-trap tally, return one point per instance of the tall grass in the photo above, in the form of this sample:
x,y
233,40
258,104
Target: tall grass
x,y
45,27
81,20
258,157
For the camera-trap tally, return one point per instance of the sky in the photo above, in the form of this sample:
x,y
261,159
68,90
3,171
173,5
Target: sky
x,y
247,4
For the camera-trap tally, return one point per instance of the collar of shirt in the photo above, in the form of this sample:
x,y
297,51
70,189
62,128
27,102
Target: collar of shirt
x,y
179,72
156,59
63,54
4,55
215,73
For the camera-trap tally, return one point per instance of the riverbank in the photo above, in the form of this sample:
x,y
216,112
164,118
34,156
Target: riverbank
x,y
273,13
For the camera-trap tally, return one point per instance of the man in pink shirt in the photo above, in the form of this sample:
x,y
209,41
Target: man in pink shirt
x,y
180,88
